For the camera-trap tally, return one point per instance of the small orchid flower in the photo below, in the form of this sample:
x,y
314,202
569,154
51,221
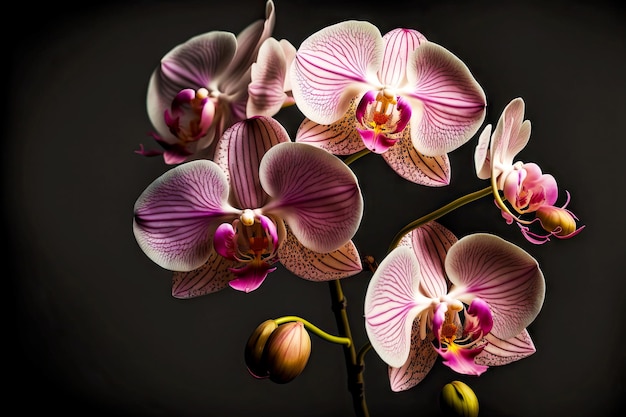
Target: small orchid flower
x,y
201,88
264,199
525,187
398,95
467,300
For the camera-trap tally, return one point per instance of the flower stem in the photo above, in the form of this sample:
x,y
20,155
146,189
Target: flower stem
x,y
354,364
439,213
316,330
350,159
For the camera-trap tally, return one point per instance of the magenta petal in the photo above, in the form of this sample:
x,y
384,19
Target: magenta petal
x,y
316,194
422,358
251,276
399,45
193,64
223,241
331,68
452,102
376,141
175,214
503,275
240,151
211,277
392,302
463,361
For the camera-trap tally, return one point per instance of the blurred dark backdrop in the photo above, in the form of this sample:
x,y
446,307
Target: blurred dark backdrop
x,y
91,325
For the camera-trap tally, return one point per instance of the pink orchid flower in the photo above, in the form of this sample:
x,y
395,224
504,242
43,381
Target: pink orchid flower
x,y
264,199
525,187
398,95
467,300
201,88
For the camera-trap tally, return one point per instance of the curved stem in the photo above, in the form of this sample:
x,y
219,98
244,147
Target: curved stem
x,y
439,213
316,330
350,159
354,368
360,357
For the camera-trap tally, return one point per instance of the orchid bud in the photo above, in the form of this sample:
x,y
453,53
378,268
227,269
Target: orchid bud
x,y
556,220
287,352
254,349
458,400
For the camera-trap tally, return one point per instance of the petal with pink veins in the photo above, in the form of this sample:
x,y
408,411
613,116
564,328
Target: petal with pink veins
x,y
448,103
333,66
510,135
501,352
211,277
176,212
316,194
392,302
406,161
422,358
314,266
505,276
399,45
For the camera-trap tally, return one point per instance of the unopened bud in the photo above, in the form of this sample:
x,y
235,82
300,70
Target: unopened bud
x,y
254,348
556,220
458,400
287,352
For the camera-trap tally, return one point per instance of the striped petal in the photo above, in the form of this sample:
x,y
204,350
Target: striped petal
x,y
338,138
510,135
451,101
406,161
175,214
333,66
503,275
267,89
501,352
314,266
398,47
422,358
316,194
211,277
194,64
239,152
392,302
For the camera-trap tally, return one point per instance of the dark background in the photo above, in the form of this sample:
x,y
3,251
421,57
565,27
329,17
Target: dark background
x,y
92,326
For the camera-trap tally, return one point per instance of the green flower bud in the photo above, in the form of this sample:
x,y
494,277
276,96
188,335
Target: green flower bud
x,y
254,348
458,400
287,352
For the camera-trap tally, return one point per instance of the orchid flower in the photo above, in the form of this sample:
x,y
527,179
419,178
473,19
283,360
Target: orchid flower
x,y
525,187
398,95
262,200
467,300
201,88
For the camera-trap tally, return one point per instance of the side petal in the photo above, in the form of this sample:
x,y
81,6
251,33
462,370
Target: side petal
x,y
211,277
501,352
422,358
510,135
174,215
482,154
316,194
338,138
314,266
193,64
398,47
452,103
392,302
406,161
333,66
503,275
266,90
239,152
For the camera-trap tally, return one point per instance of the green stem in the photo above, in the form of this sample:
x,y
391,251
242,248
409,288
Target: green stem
x,y
439,213
353,366
316,330
350,159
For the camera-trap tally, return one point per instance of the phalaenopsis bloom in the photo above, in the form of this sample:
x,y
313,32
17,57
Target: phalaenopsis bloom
x,y
467,300
263,200
398,95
